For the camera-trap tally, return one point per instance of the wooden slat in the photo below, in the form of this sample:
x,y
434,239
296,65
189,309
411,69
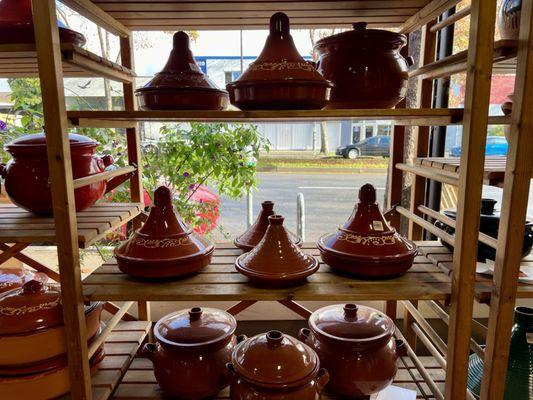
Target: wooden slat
x,y
430,12
104,176
452,19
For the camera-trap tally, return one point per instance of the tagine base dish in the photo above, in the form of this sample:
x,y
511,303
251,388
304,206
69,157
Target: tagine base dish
x,y
182,99
22,34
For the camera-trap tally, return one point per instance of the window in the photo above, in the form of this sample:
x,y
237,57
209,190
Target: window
x,y
373,141
384,141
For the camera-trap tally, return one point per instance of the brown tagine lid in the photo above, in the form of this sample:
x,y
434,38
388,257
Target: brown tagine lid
x,y
249,239
276,260
164,238
12,278
274,359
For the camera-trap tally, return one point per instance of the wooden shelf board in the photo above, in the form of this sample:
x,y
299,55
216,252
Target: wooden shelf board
x,y
220,281
20,226
20,60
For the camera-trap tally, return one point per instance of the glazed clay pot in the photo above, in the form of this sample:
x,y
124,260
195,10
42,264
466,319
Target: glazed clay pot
x,y
280,78
251,238
181,85
31,324
276,261
356,346
365,67
12,278
274,366
507,109
164,247
27,181
509,19
366,246
16,25
192,350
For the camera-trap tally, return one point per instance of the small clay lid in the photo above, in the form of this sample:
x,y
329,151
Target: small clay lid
x,y
12,278
351,323
274,359
33,307
195,327
361,37
37,141
181,71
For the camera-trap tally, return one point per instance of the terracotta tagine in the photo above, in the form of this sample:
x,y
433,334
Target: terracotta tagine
x,y
251,238
16,25
366,246
27,181
280,78
489,223
275,366
192,350
509,19
31,324
365,66
12,278
164,247
181,85
357,347
276,260
518,383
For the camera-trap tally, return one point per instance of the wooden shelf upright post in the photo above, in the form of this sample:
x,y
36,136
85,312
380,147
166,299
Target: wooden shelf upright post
x,y
59,164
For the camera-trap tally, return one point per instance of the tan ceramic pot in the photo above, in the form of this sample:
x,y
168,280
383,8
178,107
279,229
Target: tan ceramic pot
x,y
356,345
192,350
509,19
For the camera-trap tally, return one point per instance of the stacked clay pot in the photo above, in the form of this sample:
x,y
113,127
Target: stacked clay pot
x,y
164,247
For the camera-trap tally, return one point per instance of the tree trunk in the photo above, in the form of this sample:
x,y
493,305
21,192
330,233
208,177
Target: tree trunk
x,y
324,140
105,46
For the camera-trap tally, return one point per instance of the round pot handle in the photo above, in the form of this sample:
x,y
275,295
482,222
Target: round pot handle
x,y
3,170
401,348
322,379
231,369
148,351
241,338
410,61
107,160
303,334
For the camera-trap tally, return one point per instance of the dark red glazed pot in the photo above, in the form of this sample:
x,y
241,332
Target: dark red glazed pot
x,y
192,350
274,366
27,181
509,19
280,78
356,345
366,246
181,85
16,25
164,247
365,67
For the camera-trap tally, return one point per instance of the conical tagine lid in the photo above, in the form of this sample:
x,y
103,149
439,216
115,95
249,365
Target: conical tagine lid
x,y
164,237
251,238
276,260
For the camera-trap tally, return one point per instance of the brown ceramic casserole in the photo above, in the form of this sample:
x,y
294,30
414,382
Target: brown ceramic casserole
x,y
27,181
31,324
192,350
181,85
274,366
365,67
509,19
356,345
280,78
251,238
164,247
276,261
12,278
366,246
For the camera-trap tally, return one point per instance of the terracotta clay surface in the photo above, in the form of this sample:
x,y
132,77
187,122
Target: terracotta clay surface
x,y
509,19
275,366
356,345
164,247
181,85
366,246
251,238
280,78
192,350
27,180
365,67
276,260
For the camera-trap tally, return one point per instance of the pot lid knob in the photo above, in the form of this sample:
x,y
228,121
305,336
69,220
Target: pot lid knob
x,y
195,313
181,41
274,338
267,205
367,193
487,206
279,23
359,26
33,286
350,311
276,219
162,197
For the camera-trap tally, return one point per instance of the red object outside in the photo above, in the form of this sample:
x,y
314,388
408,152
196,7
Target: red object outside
x,y
204,195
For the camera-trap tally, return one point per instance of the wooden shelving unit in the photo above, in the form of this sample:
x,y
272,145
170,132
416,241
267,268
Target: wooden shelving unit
x,y
438,277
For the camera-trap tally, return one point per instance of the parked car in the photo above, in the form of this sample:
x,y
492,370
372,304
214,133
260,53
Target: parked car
x,y
496,146
373,146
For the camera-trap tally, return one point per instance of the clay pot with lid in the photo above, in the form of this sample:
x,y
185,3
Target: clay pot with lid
x,y
27,181
192,350
366,246
509,19
31,323
280,78
275,366
357,347
276,261
164,247
365,66
507,109
16,25
251,238
181,85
